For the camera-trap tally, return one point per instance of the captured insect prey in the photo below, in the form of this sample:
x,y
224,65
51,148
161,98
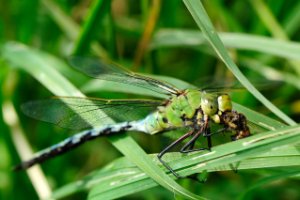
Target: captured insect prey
x,y
194,109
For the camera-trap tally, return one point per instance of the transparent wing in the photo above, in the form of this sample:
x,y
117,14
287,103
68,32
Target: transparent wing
x,y
112,72
63,111
220,86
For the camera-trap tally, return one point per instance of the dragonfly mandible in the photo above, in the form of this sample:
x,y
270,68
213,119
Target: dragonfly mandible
x,y
194,109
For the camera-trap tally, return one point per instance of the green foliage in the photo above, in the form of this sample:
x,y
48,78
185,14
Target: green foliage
x,y
188,43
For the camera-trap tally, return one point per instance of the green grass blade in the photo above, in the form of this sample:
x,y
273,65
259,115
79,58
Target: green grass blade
x,y
201,18
72,30
97,12
123,175
138,156
270,72
269,179
259,119
268,19
266,16
168,38
69,27
292,21
37,64
243,149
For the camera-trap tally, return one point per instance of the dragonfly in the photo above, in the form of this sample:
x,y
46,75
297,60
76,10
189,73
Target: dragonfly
x,y
193,109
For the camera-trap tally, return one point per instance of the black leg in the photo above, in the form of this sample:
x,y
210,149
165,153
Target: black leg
x,y
192,144
173,144
194,177
235,167
218,131
207,134
188,147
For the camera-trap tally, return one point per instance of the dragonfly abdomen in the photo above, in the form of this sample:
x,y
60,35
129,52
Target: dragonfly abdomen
x,y
76,140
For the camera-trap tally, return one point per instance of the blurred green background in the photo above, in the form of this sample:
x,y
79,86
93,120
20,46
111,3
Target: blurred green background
x,y
149,36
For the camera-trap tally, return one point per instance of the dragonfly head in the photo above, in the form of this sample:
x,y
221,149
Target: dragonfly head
x,y
213,104
236,122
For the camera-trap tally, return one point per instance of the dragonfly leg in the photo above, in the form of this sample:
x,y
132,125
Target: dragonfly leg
x,y
188,147
173,144
222,130
207,134
192,144
234,167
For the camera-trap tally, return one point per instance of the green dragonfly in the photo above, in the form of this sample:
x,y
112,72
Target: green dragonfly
x,y
193,109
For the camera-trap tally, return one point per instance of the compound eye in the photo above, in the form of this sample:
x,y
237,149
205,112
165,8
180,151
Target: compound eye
x,y
209,105
224,103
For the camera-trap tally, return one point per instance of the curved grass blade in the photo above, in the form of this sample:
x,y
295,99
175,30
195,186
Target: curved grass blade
x,y
201,18
194,39
169,38
269,179
70,28
270,72
123,174
98,10
36,64
65,22
253,146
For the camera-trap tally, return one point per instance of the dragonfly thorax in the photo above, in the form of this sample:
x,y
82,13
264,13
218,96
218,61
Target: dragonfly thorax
x,y
189,108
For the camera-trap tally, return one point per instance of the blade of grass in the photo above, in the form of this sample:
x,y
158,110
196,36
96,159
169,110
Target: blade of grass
x,y
97,12
68,26
36,64
270,72
259,119
123,174
267,180
11,119
292,21
167,38
268,19
272,25
245,148
201,18
193,39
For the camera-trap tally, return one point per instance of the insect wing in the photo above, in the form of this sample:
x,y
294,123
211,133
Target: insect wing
x,y
219,86
112,72
81,113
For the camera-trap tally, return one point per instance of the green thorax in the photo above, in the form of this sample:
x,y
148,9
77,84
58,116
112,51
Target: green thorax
x,y
186,108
